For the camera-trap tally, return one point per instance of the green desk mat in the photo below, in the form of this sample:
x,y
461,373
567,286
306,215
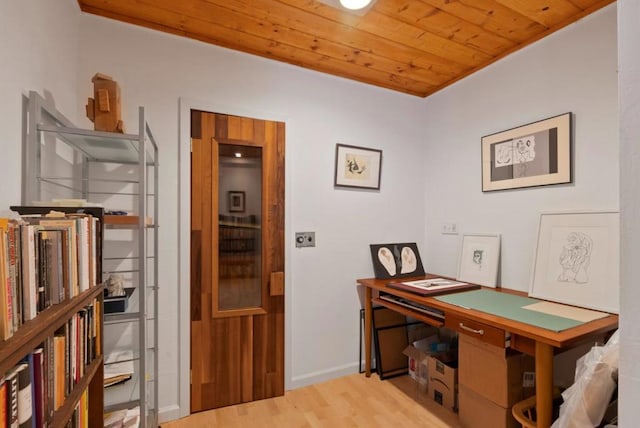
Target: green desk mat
x,y
508,306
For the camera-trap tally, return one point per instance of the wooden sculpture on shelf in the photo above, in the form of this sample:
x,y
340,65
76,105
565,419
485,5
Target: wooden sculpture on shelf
x,y
104,108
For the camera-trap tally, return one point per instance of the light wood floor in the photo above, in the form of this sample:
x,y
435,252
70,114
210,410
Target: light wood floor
x,y
350,401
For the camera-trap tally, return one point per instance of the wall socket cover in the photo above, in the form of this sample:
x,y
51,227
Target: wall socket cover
x,y
449,229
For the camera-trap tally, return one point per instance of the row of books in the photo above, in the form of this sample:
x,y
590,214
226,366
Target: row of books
x,y
44,260
36,387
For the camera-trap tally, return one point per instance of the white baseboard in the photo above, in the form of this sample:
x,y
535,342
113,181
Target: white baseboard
x,y
323,375
169,413
172,412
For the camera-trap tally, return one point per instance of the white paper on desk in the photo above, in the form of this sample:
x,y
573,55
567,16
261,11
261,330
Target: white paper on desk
x,y
566,311
433,284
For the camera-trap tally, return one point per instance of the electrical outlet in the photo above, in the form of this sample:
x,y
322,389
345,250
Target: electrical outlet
x,y
449,229
305,239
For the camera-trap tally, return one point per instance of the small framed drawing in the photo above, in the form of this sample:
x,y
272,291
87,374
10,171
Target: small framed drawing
x,y
396,260
357,167
236,201
577,259
479,259
536,154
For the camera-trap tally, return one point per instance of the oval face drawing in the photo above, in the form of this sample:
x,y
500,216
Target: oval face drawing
x,y
386,259
409,260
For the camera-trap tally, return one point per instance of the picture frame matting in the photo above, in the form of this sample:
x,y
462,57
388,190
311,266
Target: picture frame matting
x,y
577,259
479,259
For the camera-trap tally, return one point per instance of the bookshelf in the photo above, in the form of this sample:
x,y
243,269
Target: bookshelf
x,y
120,172
36,332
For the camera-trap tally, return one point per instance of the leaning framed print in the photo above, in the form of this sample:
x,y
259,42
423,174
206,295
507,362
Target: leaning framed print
x,y
577,259
479,259
357,167
396,260
536,154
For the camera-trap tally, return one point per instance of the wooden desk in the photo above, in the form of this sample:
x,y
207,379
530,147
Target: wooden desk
x,y
536,341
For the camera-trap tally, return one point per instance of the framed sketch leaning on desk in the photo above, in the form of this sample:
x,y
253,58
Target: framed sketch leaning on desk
x,y
396,260
479,259
577,259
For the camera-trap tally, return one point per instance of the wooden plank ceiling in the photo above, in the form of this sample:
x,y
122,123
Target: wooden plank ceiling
x,y
412,46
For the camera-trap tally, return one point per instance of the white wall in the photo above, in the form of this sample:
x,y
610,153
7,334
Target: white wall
x,y
39,49
572,70
322,306
629,102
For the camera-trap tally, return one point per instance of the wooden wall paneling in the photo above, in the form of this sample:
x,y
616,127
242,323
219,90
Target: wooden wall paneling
x,y
246,359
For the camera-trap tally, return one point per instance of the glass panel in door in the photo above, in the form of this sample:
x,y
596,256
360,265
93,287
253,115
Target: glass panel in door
x,y
239,227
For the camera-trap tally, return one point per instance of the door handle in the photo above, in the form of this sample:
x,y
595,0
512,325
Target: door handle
x,y
276,284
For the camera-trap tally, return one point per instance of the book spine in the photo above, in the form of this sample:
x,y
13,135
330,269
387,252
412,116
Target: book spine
x,y
28,272
12,400
38,388
3,403
18,268
5,302
50,378
11,273
39,273
6,283
25,404
59,371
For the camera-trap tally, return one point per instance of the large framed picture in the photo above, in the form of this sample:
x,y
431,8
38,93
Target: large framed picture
x,y
536,154
357,167
577,259
479,259
396,260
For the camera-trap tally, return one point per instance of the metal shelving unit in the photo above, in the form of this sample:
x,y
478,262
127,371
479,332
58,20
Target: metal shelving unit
x,y
62,161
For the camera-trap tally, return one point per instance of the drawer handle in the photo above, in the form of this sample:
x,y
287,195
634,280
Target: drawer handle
x,y
464,327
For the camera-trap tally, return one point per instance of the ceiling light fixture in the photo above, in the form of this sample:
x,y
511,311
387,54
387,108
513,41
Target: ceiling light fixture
x,y
355,7
355,4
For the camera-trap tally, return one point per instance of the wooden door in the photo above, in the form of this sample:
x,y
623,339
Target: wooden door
x,y
237,260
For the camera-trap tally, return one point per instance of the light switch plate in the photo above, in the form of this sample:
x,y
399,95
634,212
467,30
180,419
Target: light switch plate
x,y
305,239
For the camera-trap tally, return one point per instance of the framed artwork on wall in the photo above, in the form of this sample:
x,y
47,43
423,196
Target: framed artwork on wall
x,y
357,167
396,260
479,259
577,259
236,201
536,154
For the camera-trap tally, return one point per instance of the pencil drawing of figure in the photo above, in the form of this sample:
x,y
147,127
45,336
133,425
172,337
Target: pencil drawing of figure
x,y
575,258
409,260
525,149
477,258
387,260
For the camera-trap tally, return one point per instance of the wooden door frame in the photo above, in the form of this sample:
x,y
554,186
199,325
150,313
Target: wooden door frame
x,y
184,247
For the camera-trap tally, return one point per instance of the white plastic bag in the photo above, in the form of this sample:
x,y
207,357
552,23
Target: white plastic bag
x,y
586,401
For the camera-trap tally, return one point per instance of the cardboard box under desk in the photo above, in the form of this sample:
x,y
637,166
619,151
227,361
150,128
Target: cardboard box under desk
x,y
442,386
476,411
495,373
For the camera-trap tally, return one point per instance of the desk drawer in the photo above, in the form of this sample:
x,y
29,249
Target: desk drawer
x,y
484,332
